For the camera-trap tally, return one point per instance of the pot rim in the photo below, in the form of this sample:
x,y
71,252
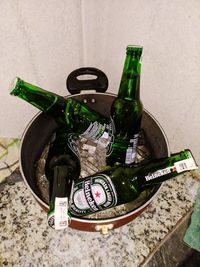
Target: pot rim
x,y
86,220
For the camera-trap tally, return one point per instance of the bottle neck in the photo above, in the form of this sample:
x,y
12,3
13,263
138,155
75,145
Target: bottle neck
x,y
68,111
60,184
163,169
130,82
36,96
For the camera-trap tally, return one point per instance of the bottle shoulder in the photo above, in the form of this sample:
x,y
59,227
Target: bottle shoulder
x,y
126,106
127,102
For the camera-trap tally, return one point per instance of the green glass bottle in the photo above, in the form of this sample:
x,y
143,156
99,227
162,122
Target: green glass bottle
x,y
126,110
122,184
62,169
76,117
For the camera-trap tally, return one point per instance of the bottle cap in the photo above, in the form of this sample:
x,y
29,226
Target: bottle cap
x,y
134,49
13,88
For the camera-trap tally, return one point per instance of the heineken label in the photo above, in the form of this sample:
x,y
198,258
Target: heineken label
x,y
185,165
61,210
131,150
94,131
179,166
93,194
72,144
158,173
101,134
111,132
58,219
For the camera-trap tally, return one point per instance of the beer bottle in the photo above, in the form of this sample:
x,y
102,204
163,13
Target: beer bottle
x,y
76,117
126,110
124,183
62,169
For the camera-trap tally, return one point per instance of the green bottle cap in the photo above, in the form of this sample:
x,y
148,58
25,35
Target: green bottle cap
x,y
134,49
13,88
51,219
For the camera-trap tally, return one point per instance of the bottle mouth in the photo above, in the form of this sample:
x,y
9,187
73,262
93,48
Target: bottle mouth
x,y
136,49
14,86
134,46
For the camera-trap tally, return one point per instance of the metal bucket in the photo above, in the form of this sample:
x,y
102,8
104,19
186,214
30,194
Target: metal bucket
x,y
39,131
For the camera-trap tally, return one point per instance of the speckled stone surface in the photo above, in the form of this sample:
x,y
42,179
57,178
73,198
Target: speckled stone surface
x,y
167,254
9,149
26,239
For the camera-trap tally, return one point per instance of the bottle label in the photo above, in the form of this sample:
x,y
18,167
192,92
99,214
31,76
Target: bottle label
x,y
102,134
93,194
58,219
72,144
94,131
111,137
131,150
179,166
158,173
61,212
185,165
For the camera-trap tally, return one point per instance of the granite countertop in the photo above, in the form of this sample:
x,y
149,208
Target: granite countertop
x,y
27,240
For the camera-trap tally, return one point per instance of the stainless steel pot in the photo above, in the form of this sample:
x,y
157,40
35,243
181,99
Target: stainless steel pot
x,y
39,131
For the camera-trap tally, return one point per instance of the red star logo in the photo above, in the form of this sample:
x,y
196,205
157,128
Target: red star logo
x,y
97,194
174,169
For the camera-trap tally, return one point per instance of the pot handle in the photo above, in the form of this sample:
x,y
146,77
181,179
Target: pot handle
x,y
75,84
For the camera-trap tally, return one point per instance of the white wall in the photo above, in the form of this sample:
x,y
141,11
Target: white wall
x,y
42,41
